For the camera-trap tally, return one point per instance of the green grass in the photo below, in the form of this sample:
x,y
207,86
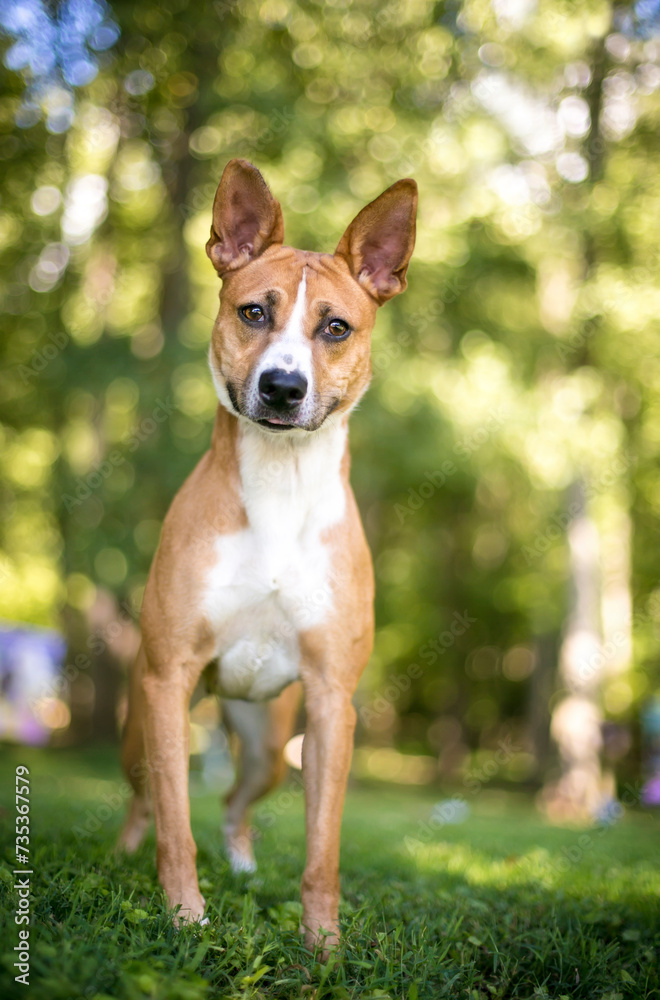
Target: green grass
x,y
498,906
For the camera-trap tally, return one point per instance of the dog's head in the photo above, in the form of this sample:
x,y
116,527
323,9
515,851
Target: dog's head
x,y
291,343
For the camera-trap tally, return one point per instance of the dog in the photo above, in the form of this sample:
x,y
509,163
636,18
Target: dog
x,y
263,576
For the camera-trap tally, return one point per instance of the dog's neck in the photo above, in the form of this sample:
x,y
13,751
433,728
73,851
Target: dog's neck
x,y
300,473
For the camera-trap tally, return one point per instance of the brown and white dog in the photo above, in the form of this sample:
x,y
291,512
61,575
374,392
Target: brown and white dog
x,y
263,574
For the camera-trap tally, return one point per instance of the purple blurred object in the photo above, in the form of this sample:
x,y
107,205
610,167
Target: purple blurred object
x,y
30,661
650,720
651,792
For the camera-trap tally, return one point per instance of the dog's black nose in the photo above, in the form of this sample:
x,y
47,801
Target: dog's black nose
x,y
282,390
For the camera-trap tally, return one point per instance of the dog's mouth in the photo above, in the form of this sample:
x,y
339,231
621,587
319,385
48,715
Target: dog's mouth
x,y
275,424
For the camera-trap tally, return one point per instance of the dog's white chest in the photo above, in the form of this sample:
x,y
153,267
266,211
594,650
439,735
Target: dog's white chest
x,y
272,579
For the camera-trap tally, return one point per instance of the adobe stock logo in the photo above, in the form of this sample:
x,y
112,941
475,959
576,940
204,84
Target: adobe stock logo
x,y
86,485
41,358
463,449
417,497
431,651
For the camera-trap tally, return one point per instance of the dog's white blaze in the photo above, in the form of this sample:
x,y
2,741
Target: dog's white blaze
x,y
292,351
272,579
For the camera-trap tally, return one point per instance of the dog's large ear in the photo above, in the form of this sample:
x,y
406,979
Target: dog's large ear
x,y
379,242
246,218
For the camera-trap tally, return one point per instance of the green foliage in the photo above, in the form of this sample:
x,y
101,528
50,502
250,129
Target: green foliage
x,y
523,353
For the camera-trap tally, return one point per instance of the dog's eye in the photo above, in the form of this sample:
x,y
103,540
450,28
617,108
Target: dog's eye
x,y
337,328
253,313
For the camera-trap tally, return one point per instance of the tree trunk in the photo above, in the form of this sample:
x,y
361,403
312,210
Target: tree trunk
x,y
576,719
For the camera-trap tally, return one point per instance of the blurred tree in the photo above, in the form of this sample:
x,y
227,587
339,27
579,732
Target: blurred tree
x,y
521,359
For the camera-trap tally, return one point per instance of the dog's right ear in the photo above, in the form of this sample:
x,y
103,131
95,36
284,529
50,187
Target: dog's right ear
x,y
246,218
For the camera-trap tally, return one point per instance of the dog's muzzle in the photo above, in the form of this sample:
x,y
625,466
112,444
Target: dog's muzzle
x,y
276,402
281,394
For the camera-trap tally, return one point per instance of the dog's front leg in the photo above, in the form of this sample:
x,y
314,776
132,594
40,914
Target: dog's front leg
x,y
327,750
166,701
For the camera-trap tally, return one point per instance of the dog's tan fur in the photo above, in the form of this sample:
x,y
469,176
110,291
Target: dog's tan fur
x,y
179,637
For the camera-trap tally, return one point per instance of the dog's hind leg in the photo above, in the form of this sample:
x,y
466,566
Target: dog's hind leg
x,y
134,764
263,729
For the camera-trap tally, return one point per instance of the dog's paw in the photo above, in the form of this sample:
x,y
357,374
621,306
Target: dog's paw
x,y
241,861
135,827
239,853
189,910
184,917
321,936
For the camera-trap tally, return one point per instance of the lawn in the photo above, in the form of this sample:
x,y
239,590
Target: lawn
x,y
499,905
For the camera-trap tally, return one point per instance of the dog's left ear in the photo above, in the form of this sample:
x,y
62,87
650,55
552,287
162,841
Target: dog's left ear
x,y
246,218
379,242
